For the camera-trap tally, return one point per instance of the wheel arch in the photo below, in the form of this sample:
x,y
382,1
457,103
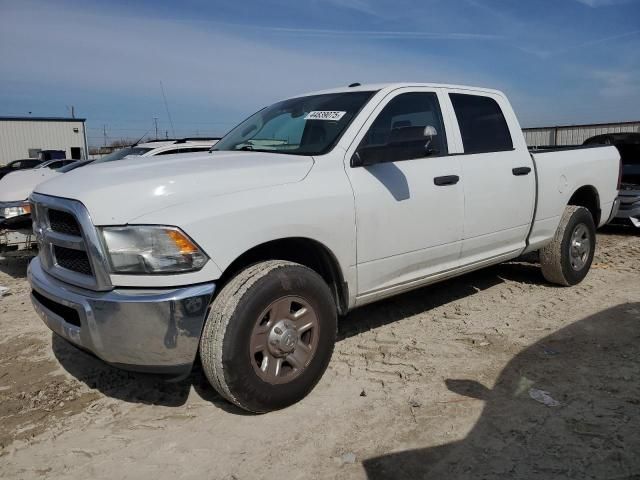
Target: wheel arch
x,y
305,251
587,196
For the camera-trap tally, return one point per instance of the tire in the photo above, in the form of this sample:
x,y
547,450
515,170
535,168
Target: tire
x,y
562,263
252,303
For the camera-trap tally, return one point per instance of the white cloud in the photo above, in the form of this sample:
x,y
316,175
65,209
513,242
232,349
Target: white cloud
x,y
110,51
387,34
618,84
602,3
547,53
361,6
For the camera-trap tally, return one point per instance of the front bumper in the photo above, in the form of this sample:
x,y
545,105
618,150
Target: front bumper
x,y
147,330
629,206
21,222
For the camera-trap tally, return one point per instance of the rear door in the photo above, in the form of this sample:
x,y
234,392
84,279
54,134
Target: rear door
x,y
497,176
409,204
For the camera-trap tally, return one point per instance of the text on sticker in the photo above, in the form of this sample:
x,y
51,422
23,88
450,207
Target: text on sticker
x,y
333,116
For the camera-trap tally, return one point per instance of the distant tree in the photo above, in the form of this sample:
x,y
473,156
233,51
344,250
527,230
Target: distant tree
x,y
123,142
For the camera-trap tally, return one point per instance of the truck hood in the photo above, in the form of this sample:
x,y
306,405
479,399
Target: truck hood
x,y
116,193
18,185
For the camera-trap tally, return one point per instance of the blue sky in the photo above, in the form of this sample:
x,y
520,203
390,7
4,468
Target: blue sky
x,y
560,61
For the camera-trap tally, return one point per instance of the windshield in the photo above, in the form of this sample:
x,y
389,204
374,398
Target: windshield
x,y
123,152
299,126
74,165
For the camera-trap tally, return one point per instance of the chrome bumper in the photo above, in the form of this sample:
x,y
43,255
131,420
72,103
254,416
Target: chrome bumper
x,y
629,205
148,330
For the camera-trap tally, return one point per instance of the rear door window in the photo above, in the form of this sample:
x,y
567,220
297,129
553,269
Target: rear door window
x,y
482,124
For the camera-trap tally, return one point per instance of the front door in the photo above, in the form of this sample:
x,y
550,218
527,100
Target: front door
x,y
409,203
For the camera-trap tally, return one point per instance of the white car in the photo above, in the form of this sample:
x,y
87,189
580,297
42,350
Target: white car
x,y
16,187
311,207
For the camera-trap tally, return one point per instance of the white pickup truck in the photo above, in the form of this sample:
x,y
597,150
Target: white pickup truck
x,y
311,207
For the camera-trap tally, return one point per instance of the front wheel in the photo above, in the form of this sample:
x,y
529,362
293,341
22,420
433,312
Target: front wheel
x,y
567,259
269,335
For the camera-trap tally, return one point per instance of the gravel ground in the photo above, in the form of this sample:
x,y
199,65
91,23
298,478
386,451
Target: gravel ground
x,y
436,383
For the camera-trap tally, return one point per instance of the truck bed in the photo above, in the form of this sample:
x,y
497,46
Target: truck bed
x,y
562,148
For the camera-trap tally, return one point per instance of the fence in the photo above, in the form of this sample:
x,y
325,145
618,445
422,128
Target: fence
x,y
574,134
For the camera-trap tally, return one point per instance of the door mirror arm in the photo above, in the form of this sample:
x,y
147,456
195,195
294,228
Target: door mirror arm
x,y
363,158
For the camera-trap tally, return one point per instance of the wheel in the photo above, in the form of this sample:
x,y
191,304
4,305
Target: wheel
x,y
269,335
567,259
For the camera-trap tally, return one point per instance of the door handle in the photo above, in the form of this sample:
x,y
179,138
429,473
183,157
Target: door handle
x,y
521,171
446,180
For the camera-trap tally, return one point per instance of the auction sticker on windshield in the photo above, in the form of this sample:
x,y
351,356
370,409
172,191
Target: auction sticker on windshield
x,y
333,116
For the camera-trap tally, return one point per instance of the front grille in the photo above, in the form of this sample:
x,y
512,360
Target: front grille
x,y
64,222
68,314
74,260
70,246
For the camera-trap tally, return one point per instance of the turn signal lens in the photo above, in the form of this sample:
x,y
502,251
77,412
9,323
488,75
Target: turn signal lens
x,y
184,245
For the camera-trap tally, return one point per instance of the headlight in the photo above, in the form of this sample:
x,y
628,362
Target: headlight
x,y
151,249
16,209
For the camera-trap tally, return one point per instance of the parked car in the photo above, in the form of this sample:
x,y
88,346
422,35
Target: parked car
x,y
15,214
628,144
55,164
16,165
309,208
46,155
16,188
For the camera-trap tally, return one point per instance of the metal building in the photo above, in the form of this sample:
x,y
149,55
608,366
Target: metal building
x,y
25,137
574,134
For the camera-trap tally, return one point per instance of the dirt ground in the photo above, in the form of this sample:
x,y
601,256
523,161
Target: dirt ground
x,y
437,383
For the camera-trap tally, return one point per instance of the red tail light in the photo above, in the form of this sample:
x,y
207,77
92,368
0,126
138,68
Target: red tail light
x,y
620,174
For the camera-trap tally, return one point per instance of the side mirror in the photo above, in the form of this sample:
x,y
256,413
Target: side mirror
x,y
365,157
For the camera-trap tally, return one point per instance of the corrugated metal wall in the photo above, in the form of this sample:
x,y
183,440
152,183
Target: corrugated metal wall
x,y
18,136
574,134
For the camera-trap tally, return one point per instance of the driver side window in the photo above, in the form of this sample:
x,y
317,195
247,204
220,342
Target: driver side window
x,y
410,126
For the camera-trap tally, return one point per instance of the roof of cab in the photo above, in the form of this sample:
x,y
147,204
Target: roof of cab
x,y
184,142
394,86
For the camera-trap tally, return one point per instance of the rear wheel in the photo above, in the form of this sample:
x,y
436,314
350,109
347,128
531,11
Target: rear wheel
x,y
567,259
269,335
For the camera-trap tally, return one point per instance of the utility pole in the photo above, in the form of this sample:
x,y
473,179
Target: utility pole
x,y
166,134
104,131
166,106
155,120
73,111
